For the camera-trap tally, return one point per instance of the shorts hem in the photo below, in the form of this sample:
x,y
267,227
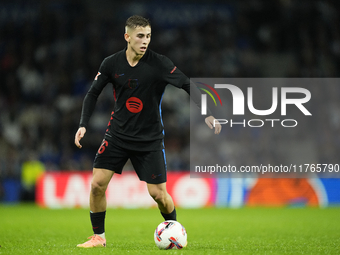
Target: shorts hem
x,y
154,181
107,168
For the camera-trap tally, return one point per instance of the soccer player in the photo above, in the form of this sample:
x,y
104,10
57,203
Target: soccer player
x,y
135,130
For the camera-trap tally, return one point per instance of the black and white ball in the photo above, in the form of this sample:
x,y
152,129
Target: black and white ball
x,y
170,235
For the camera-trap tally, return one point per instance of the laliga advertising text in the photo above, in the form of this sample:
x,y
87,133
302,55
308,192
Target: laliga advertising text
x,y
268,168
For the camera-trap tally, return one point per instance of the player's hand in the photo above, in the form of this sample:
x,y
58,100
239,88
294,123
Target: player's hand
x,y
79,135
211,122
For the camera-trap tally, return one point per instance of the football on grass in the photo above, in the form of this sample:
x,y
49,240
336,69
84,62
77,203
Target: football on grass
x,y
170,235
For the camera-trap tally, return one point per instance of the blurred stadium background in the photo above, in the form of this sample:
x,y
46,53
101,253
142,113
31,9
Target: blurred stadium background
x,y
50,51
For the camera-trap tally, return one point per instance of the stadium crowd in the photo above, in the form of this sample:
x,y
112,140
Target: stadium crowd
x,y
49,58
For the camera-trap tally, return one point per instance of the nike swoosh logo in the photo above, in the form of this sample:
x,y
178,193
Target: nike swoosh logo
x,y
118,75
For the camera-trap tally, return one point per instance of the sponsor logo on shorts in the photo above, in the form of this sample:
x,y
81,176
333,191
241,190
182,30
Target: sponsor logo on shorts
x,y
153,176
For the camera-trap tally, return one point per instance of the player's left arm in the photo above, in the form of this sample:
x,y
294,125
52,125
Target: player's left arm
x,y
212,122
175,77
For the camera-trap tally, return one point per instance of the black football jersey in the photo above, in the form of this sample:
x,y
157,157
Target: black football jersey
x,y
136,120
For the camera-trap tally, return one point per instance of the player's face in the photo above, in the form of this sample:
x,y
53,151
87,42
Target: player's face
x,y
138,39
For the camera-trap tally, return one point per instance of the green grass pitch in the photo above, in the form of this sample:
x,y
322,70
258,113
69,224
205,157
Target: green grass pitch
x,y
27,229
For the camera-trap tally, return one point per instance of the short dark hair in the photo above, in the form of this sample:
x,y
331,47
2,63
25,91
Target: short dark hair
x,y
137,21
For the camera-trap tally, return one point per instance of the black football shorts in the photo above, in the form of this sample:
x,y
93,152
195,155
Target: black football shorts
x,y
150,166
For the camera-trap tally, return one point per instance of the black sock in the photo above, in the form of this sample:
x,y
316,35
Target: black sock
x,y
98,220
170,216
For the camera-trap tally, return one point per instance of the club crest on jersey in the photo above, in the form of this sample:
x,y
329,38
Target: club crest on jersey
x,y
134,104
133,83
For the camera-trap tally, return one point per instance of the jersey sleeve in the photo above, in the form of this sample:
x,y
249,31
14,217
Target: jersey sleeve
x,y
100,81
175,77
172,75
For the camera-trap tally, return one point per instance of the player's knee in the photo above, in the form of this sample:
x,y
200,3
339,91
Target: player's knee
x,y
159,196
97,189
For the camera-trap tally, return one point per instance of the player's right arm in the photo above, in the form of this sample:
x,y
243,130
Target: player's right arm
x,y
79,135
90,100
